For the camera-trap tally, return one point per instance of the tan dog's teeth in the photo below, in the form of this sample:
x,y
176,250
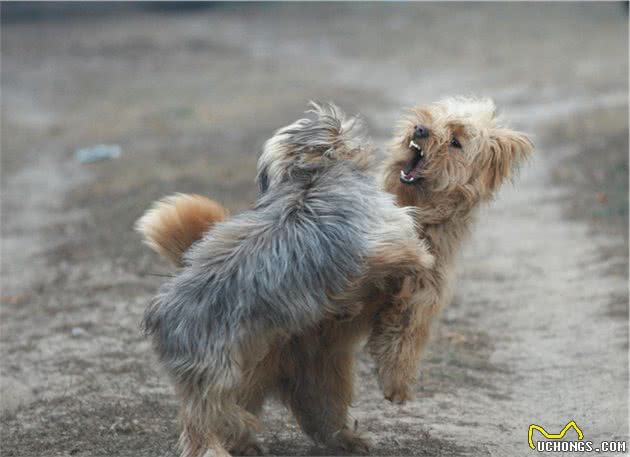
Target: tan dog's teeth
x,y
413,145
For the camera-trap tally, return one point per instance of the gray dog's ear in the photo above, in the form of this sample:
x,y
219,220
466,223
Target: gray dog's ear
x,y
507,150
263,180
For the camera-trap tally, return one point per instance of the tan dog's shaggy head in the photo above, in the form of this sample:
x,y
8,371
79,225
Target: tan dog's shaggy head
x,y
453,151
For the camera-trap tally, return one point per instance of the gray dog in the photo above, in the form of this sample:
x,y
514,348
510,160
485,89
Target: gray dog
x,y
320,232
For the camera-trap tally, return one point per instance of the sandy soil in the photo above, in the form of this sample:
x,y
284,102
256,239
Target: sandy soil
x,y
538,331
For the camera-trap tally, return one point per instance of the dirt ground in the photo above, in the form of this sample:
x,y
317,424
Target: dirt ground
x,y
538,331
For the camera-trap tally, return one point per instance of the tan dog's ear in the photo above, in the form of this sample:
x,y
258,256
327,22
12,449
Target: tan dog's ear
x,y
506,151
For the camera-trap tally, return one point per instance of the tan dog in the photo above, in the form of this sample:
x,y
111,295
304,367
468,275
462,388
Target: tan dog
x,y
446,159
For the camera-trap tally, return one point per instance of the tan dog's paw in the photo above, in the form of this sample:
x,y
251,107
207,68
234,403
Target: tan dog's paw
x,y
352,442
397,393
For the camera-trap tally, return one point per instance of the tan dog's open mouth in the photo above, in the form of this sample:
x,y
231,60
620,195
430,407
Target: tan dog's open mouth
x,y
411,172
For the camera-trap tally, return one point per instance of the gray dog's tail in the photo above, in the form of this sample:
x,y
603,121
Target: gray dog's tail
x,y
175,223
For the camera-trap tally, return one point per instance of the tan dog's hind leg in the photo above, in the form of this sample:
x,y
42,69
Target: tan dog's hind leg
x,y
398,337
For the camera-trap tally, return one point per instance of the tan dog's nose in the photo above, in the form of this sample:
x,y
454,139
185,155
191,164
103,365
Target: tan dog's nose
x,y
420,132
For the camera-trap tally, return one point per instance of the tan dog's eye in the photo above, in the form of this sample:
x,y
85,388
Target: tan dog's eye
x,y
455,143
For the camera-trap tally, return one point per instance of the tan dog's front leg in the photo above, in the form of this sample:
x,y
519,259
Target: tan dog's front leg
x,y
398,337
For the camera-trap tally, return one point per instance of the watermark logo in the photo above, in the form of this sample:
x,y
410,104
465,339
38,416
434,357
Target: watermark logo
x,y
553,436
554,442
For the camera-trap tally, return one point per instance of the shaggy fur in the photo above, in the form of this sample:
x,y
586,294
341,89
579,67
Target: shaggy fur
x,y
235,324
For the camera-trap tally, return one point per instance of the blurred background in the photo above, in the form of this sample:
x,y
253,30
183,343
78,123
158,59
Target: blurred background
x,y
107,107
